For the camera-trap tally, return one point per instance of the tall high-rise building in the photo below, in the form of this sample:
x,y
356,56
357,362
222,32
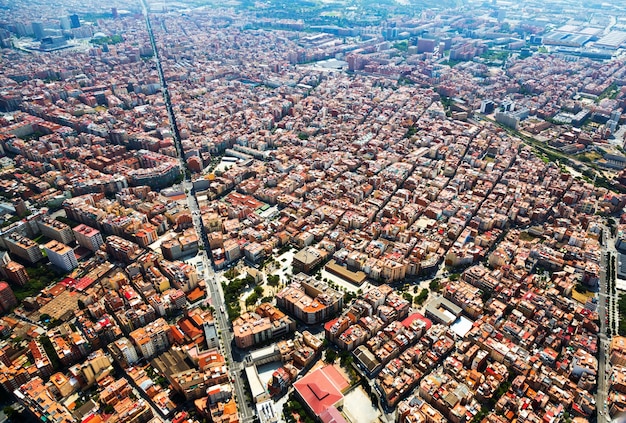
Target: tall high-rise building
x,y
114,12
65,22
16,273
426,45
56,230
487,106
74,21
7,298
61,255
23,247
38,30
88,237
23,30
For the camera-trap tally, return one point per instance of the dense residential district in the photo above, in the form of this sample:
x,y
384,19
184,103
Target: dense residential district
x,y
312,211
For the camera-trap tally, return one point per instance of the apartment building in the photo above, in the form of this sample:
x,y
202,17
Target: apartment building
x,y
56,230
152,339
61,255
88,237
309,300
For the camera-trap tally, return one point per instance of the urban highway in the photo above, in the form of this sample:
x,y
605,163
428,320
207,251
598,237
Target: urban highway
x,y
246,413
608,316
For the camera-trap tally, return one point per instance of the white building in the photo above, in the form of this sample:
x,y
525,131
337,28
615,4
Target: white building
x,y
61,255
126,350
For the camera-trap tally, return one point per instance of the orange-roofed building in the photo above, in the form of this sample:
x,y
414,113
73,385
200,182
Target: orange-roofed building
x,y
195,295
177,336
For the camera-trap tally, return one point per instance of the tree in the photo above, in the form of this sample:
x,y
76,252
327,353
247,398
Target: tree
x,y
434,285
9,411
252,299
422,296
345,358
331,356
273,280
348,296
54,323
486,295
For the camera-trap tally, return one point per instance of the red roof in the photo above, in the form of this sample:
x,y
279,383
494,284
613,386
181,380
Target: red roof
x,y
322,388
68,282
84,283
330,324
415,316
89,418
